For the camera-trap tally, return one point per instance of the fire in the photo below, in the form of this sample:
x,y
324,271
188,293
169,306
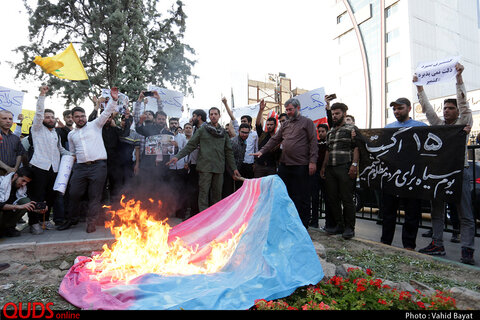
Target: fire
x,y
142,247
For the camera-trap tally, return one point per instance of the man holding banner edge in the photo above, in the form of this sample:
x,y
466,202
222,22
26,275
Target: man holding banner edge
x,y
455,112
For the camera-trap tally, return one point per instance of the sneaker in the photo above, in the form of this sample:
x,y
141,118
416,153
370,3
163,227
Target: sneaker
x,y
467,256
433,250
49,225
36,229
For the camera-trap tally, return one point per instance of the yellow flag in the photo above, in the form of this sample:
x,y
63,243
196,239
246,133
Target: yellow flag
x,y
65,65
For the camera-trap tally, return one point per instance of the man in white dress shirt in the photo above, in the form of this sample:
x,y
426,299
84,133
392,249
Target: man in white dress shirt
x,y
90,170
47,152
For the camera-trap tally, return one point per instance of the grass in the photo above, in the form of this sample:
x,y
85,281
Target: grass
x,y
401,268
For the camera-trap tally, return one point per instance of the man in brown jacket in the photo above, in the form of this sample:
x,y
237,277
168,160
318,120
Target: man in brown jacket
x,y
298,137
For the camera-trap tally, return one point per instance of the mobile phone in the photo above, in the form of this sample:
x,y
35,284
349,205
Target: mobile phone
x,y
332,96
148,94
40,205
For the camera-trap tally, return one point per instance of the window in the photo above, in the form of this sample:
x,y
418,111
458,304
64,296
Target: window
x,y
393,86
391,10
341,17
392,35
393,60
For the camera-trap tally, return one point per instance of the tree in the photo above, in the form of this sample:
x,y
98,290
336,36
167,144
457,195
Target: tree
x,y
122,43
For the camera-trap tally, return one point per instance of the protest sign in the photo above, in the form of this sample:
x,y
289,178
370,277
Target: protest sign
x,y
28,116
250,110
312,104
11,100
122,100
436,71
172,101
414,162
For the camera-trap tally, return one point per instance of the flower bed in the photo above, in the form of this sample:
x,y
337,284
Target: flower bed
x,y
358,291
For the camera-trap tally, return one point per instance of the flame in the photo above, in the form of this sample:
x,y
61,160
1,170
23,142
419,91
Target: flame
x,y
142,247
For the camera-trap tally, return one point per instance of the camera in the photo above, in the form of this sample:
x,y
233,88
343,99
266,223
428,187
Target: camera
x,y
332,96
148,94
40,205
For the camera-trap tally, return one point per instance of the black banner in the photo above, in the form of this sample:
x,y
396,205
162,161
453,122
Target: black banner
x,y
415,162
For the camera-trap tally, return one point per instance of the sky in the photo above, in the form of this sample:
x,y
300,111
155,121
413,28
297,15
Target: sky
x,y
234,41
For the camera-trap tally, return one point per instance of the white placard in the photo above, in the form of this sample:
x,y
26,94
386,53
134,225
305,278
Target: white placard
x,y
436,71
172,101
122,100
64,170
250,110
312,104
11,100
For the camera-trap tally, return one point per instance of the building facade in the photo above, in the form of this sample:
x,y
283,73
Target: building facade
x,y
379,43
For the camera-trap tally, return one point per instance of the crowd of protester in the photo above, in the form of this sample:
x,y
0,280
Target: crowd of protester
x,y
202,162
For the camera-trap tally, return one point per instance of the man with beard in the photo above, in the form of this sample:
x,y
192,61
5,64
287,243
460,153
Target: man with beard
x,y
401,110
267,163
215,151
339,170
90,170
64,128
13,200
455,112
298,161
47,151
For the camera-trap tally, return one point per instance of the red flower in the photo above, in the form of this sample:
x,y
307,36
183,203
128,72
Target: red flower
x,y
360,288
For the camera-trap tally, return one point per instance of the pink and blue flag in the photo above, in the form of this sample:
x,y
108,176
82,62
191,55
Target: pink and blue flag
x,y
273,257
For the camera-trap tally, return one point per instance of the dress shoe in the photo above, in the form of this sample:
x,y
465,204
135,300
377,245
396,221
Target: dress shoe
x,y
67,224
4,266
12,232
91,228
334,230
348,234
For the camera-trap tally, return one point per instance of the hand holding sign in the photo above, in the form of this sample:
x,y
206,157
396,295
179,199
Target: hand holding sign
x,y
12,101
436,71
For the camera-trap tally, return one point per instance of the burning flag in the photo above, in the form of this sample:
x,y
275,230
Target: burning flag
x,y
251,245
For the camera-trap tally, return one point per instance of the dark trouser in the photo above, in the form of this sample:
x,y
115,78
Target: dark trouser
x,y
192,182
263,171
329,219
246,171
209,187
9,219
178,185
412,219
113,182
296,180
340,194
60,207
314,185
40,189
89,179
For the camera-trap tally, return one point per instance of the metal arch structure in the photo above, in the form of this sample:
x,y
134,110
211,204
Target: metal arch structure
x,y
366,71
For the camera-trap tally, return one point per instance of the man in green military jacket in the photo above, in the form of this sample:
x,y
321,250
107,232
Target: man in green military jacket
x,y
215,150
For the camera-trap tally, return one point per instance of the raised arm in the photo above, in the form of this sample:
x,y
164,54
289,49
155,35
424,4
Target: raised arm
x,y
427,108
40,109
465,113
229,111
109,109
